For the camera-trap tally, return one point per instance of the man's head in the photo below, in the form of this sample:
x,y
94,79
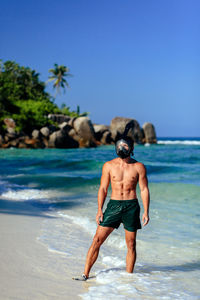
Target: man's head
x,y
124,147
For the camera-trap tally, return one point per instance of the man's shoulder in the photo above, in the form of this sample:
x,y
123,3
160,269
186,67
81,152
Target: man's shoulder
x,y
140,167
139,164
136,163
112,161
108,164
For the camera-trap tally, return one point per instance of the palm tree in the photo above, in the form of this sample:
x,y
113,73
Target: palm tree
x,y
58,75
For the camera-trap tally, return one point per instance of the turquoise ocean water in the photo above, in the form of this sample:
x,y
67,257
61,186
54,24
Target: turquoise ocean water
x,y
64,184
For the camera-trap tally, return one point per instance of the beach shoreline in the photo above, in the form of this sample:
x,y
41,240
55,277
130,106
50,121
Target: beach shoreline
x,y
25,269
48,204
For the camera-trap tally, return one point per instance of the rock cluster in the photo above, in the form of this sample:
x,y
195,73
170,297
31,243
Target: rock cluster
x,y
77,132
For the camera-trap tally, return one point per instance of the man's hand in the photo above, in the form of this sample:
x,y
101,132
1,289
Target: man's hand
x,y
145,219
99,216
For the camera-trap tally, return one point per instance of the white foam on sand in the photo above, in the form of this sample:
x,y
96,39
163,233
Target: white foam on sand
x,y
84,222
113,261
116,283
19,193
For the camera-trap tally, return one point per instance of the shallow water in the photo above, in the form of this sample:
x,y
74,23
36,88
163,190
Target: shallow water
x,y
64,184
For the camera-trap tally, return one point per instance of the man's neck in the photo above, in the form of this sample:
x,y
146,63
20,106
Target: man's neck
x,y
126,160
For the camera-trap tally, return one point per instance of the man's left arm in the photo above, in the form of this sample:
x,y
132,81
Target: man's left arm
x,y
102,193
144,190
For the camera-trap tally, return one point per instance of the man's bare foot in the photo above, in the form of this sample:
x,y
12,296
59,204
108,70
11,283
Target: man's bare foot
x,y
83,277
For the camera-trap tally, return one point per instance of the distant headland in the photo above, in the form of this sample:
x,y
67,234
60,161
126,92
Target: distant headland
x,y
29,118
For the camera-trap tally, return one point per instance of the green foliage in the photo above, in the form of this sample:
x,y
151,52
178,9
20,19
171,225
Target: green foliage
x,y
23,96
58,76
66,111
7,83
33,114
20,83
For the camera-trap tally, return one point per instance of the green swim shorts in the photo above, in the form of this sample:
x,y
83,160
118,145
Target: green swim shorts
x,y
122,211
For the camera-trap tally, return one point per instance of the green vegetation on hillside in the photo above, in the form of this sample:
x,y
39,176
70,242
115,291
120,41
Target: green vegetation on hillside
x,y
23,96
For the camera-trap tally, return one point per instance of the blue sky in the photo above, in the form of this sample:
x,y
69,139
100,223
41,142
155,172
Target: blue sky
x,y
137,59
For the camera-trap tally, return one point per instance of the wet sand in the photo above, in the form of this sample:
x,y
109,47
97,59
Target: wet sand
x,y
25,263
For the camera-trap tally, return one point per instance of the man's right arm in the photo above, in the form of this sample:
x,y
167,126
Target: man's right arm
x,y
144,190
103,189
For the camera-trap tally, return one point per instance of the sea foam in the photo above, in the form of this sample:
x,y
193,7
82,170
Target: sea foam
x,y
178,142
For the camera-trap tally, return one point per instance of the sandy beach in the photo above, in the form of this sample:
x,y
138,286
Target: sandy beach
x,y
25,264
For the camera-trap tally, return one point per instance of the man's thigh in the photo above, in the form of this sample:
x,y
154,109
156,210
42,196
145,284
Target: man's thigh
x,y
103,232
130,237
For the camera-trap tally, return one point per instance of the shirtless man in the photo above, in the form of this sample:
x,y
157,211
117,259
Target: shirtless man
x,y
124,173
